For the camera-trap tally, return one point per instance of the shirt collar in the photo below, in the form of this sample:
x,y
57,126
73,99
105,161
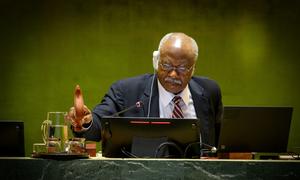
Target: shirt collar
x,y
166,97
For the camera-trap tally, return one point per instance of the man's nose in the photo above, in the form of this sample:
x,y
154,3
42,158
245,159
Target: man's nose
x,y
173,73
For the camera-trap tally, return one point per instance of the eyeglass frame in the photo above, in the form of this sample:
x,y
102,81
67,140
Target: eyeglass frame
x,y
179,69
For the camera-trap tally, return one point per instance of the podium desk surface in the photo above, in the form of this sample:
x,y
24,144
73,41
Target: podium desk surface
x,y
113,168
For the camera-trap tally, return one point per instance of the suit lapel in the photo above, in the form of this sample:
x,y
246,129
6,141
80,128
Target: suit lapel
x,y
198,97
154,110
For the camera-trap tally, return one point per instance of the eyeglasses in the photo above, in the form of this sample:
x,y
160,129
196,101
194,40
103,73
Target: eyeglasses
x,y
180,69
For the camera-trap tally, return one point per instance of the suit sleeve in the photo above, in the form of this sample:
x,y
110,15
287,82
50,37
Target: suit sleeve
x,y
219,110
216,106
111,103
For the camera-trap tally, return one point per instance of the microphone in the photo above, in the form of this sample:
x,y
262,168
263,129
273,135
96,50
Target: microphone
x,y
138,104
211,149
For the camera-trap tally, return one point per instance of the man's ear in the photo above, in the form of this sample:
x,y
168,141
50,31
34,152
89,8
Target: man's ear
x,y
193,70
155,59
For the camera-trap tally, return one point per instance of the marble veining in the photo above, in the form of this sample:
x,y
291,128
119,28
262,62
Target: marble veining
x,y
27,168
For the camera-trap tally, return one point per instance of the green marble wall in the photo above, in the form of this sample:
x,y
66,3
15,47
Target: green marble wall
x,y
47,47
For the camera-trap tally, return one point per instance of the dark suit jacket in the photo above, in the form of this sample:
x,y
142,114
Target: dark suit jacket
x,y
206,96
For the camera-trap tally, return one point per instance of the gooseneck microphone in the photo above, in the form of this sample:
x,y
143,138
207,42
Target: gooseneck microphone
x,y
138,104
211,149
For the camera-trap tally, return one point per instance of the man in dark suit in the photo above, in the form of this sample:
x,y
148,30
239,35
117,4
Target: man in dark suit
x,y
174,63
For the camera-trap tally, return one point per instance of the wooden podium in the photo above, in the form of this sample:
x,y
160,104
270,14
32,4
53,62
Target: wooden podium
x,y
236,155
249,155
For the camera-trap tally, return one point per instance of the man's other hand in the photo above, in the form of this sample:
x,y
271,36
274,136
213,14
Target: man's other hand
x,y
78,123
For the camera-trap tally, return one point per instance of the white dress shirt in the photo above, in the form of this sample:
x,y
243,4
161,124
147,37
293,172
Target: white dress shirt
x,y
166,104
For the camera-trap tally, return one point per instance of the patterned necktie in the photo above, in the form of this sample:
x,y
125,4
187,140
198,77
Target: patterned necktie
x,y
177,111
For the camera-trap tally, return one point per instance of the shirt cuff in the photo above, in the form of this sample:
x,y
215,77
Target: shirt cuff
x,y
85,127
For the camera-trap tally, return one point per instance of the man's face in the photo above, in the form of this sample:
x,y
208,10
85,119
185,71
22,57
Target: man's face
x,y
175,80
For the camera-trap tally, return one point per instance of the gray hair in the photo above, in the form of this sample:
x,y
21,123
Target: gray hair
x,y
169,35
